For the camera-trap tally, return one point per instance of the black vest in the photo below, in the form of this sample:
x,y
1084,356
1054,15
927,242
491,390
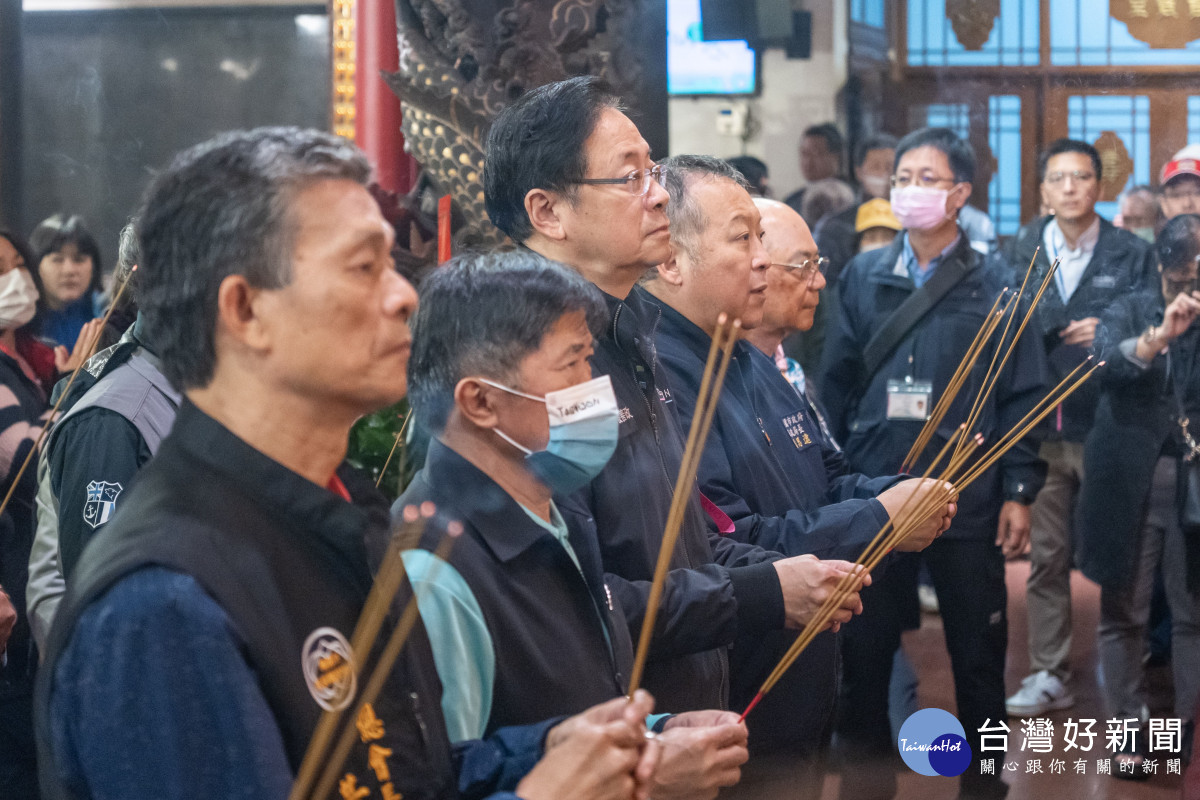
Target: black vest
x,y
283,558
544,617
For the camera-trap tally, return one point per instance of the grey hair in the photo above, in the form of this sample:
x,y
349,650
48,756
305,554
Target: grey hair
x,y
129,255
681,173
222,208
480,315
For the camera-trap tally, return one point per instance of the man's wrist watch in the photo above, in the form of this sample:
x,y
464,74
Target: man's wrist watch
x,y
1019,496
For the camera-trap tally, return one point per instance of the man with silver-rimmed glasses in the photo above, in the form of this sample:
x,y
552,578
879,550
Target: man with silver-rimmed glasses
x,y
768,465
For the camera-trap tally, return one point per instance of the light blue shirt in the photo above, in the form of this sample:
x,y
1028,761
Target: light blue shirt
x,y
462,646
907,263
1071,263
558,529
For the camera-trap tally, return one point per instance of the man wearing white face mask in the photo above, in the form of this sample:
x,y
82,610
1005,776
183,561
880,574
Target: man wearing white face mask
x,y
873,160
522,623
907,315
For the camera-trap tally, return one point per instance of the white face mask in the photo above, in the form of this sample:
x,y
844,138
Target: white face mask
x,y
18,299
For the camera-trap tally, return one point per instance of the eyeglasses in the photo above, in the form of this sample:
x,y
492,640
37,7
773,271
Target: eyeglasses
x,y
1078,175
926,181
637,182
807,269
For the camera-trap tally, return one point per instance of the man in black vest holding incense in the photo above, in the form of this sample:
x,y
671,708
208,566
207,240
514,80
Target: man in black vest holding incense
x,y
206,627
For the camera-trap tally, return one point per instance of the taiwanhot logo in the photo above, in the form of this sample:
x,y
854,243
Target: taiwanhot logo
x,y
932,742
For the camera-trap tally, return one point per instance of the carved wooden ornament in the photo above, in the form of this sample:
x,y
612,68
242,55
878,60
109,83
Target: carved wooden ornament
x,y
1168,24
1116,164
972,21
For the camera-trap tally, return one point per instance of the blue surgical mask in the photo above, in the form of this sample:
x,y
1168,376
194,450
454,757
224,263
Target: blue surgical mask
x,y
583,433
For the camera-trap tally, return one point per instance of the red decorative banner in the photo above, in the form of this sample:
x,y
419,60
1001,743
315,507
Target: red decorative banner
x,y
444,229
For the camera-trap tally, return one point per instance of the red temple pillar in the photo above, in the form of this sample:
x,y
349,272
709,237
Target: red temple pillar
x,y
377,109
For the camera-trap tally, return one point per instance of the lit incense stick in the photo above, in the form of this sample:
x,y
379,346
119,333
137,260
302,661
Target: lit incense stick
x,y
387,659
395,444
1003,445
66,390
724,337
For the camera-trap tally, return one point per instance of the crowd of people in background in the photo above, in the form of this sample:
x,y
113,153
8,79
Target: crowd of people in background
x,y
184,562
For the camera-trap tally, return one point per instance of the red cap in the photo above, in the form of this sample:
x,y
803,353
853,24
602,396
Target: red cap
x,y
1180,166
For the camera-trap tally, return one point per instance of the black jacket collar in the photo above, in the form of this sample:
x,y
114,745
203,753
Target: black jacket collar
x,y
884,271
501,522
1109,245
295,501
632,323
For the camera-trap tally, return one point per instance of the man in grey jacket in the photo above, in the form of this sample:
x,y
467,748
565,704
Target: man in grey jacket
x,y
122,408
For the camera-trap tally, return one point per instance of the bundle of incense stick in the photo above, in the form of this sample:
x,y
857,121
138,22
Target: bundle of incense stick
x,y
893,532
390,577
990,323
969,359
956,477
993,374
909,518
721,350
395,444
88,353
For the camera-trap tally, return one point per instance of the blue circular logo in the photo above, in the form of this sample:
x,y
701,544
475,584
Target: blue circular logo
x,y
932,742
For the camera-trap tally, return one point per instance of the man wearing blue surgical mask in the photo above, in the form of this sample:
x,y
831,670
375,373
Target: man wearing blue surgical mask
x,y
522,623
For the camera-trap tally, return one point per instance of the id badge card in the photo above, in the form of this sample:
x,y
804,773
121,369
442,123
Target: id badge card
x,y
908,400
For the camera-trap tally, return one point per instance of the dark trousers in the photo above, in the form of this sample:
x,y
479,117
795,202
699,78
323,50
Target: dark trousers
x,y
968,575
18,757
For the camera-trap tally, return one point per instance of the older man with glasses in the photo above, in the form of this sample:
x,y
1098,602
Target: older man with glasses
x,y
1097,264
768,466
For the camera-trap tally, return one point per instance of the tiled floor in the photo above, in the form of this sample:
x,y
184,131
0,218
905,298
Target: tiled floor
x,y
927,650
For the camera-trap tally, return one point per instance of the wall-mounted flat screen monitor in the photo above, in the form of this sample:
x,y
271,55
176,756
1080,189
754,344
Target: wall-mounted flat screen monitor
x,y
695,66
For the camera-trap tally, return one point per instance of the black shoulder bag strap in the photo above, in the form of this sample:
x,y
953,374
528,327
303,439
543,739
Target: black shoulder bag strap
x,y
947,275
1180,365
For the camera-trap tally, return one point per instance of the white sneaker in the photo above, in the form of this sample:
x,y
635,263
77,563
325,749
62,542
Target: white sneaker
x,y
1039,693
927,598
